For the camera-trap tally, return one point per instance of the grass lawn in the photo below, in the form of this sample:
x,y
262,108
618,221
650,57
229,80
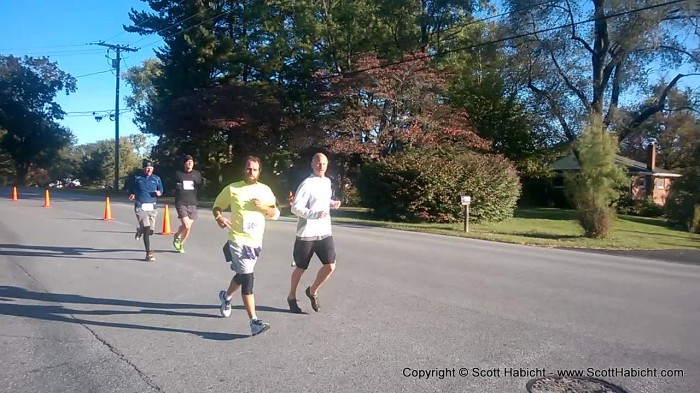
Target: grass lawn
x,y
538,226
551,228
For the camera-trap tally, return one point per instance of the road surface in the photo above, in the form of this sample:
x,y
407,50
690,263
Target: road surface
x,y
404,312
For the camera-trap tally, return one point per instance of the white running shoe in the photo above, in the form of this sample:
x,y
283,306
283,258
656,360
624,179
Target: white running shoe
x,y
225,305
257,326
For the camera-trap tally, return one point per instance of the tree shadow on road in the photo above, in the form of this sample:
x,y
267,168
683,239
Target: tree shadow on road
x,y
24,250
58,312
51,251
129,232
77,219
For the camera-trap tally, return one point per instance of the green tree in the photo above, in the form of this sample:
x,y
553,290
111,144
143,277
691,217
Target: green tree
x,y
28,112
683,203
97,159
142,79
478,84
594,188
7,165
228,49
68,163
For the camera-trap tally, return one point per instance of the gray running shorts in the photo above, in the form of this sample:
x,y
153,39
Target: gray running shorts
x,y
242,258
146,219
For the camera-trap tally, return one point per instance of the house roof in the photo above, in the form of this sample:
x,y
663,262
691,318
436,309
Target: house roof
x,y
569,163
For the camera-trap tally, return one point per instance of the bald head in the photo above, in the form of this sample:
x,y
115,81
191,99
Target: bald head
x,y
319,164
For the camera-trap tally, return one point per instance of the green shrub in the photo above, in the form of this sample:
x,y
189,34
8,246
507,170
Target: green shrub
x,y
351,196
649,208
626,205
642,208
694,226
424,185
683,202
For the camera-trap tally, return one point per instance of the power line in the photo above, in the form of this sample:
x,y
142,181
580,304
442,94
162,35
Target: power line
x,y
472,22
172,25
57,54
468,23
94,111
498,41
94,73
184,30
41,47
226,12
140,24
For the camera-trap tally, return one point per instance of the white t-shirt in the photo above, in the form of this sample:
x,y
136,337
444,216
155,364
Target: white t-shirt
x,y
313,196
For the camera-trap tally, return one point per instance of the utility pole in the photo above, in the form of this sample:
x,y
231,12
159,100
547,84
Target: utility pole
x,y
116,64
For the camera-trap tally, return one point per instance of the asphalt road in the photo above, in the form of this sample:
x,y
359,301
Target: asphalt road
x,y
81,311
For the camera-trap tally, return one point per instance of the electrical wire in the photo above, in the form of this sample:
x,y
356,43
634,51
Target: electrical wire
x,y
498,41
93,73
140,24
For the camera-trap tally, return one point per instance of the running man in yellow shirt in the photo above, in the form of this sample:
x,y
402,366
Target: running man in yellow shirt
x,y
251,202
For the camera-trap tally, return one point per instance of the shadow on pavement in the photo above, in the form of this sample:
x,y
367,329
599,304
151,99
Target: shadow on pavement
x,y
129,232
21,250
357,225
57,312
77,219
685,256
268,309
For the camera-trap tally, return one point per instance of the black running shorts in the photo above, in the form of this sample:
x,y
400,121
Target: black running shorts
x,y
189,211
304,250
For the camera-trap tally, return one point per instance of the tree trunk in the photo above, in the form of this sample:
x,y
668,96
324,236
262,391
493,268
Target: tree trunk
x,y
21,170
600,50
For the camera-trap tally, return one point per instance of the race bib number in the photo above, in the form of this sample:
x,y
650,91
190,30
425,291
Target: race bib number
x,y
253,224
147,207
187,185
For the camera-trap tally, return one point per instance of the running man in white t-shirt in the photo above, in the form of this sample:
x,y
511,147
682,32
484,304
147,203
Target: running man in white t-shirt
x,y
312,204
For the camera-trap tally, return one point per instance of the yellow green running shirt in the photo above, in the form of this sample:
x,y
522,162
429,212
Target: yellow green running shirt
x,y
247,223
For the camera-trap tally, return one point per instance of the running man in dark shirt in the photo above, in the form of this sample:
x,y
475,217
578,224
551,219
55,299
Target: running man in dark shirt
x,y
144,190
189,181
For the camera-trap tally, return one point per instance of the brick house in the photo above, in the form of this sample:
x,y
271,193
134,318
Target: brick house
x,y
646,178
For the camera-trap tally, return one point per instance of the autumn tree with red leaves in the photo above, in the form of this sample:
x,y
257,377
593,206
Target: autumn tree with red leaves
x,y
381,110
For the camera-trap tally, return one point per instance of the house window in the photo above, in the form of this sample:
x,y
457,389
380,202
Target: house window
x,y
660,183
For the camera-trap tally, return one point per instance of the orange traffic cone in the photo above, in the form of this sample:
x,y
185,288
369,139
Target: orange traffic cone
x,y
108,211
166,223
47,199
14,193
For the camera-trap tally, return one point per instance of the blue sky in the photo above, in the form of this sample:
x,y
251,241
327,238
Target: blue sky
x,y
60,29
